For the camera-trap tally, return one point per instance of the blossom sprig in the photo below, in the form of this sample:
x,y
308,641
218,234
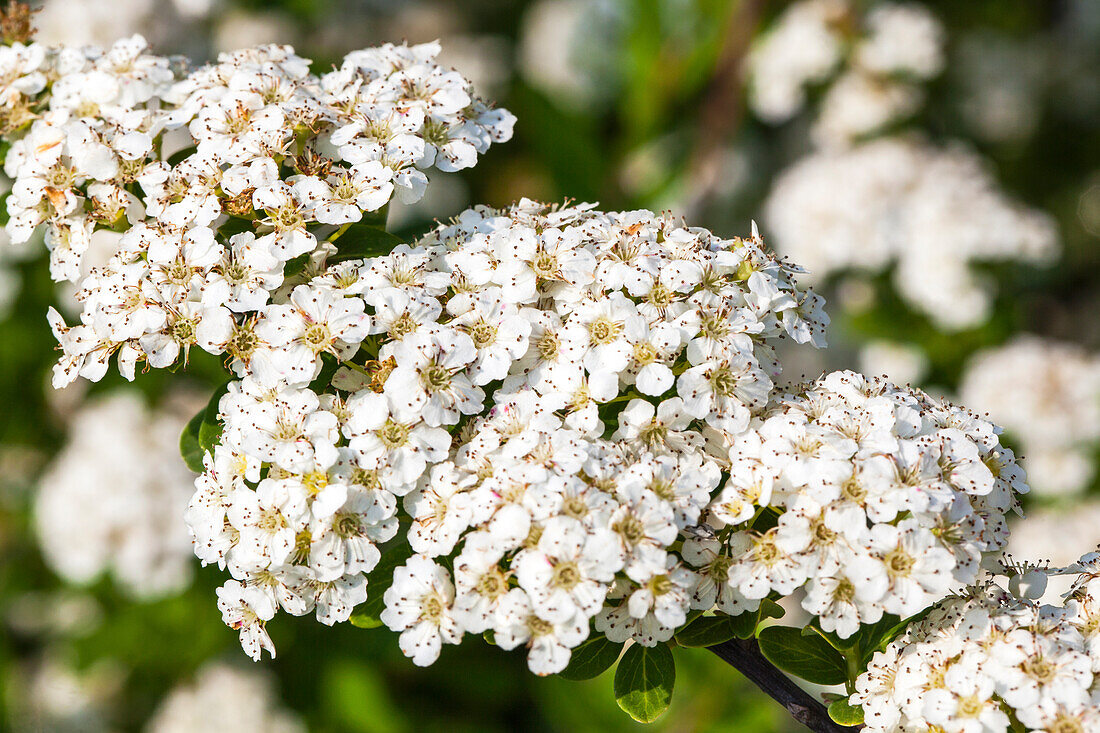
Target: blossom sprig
x,y
989,660
217,178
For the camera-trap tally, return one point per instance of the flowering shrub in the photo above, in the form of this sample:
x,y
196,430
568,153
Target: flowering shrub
x,y
556,427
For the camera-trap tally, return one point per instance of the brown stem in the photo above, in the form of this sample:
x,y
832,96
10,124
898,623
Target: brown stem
x,y
744,656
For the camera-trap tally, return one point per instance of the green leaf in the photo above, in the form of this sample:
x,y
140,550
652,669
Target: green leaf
x,y
181,155
210,431
809,657
707,631
830,637
361,241
744,624
329,365
592,658
202,432
376,218
190,449
644,681
844,714
296,265
368,615
885,636
770,609
235,225
4,216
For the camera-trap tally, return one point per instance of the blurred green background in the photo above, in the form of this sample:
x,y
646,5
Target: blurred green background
x,y
631,103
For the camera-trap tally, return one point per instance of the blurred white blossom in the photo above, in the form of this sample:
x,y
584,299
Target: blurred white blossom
x,y
1046,394
900,363
224,699
113,499
868,62
930,210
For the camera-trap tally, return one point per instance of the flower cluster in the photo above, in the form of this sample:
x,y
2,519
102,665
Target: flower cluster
x,y
989,661
217,178
535,386
1047,395
886,500
112,499
872,63
931,211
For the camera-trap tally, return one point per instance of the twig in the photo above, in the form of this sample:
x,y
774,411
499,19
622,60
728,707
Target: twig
x,y
744,656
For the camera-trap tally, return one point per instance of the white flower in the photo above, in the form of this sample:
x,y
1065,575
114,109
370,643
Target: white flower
x,y
386,437
842,600
663,427
550,642
569,571
349,193
763,567
419,605
645,525
724,392
315,321
915,568
965,704
441,510
246,609
430,377
345,543
286,208
712,562
292,431
480,583
336,599
499,334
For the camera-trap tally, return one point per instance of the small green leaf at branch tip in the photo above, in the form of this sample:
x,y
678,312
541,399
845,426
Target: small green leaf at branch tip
x,y
707,631
644,680
771,609
363,621
592,658
744,624
809,657
843,713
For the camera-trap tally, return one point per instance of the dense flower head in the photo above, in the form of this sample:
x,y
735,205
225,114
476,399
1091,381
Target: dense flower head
x,y
540,528
539,423
887,499
987,660
545,394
